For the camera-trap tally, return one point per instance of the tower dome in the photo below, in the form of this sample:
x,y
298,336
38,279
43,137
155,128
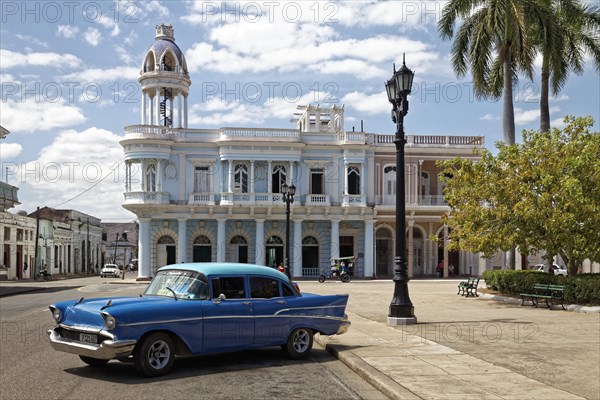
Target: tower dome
x,y
164,54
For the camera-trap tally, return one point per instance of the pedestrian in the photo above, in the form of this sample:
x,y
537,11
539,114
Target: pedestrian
x,y
451,269
280,268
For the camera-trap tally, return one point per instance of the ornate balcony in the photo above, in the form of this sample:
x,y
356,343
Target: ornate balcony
x,y
259,134
206,199
151,132
146,197
317,200
354,200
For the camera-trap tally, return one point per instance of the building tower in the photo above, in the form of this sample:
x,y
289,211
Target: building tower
x,y
165,82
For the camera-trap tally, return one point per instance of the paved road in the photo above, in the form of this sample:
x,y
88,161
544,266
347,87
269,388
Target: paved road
x,y
30,369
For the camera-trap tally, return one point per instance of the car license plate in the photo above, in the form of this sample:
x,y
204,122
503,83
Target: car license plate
x,y
88,338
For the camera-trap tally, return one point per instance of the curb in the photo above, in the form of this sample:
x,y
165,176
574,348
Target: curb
x,y
374,377
19,291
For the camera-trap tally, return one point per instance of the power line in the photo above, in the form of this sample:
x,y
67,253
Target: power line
x,y
86,190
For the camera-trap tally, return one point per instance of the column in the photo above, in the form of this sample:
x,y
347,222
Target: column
x,y
363,176
269,177
145,249
297,249
410,248
159,175
182,249
143,108
221,245
334,249
171,114
230,176
291,177
252,177
185,111
157,102
368,251
260,256
345,178
149,122
445,251
179,110
431,251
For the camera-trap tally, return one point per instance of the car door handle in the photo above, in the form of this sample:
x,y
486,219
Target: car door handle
x,y
247,303
280,301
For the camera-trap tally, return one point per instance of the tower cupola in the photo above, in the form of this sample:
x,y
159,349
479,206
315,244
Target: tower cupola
x,y
165,81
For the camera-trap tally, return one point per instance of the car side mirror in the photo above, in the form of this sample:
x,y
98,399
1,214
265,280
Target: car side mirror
x,y
222,297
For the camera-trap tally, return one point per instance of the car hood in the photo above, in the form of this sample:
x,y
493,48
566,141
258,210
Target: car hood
x,y
124,309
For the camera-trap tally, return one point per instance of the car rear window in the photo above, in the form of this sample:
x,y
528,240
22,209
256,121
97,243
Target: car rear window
x,y
263,288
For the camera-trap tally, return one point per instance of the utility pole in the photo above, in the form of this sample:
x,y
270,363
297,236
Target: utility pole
x,y
87,247
37,238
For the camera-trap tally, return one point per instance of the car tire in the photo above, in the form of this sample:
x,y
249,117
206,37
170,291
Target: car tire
x,y
345,278
94,362
321,278
299,343
155,355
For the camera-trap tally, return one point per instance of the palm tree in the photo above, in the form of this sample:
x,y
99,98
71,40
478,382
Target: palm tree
x,y
493,41
578,31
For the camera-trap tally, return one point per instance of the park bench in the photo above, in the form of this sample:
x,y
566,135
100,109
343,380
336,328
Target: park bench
x,y
550,294
469,287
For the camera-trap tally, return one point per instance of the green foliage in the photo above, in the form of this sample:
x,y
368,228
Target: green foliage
x,y
543,194
579,289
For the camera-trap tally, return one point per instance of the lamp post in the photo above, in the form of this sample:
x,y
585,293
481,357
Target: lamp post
x,y
288,198
398,88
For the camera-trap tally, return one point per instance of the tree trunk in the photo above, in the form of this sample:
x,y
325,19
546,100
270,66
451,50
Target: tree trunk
x,y
508,113
544,94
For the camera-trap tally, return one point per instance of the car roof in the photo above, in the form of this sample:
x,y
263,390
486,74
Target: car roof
x,y
226,268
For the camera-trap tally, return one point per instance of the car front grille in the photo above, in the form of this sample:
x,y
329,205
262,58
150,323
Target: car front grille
x,y
82,336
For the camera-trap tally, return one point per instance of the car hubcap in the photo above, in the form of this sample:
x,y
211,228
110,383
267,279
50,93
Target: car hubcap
x,y
159,354
301,341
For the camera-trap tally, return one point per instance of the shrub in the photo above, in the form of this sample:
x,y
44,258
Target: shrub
x,y
580,289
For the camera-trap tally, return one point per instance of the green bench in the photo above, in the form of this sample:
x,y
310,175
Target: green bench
x,y
469,287
550,294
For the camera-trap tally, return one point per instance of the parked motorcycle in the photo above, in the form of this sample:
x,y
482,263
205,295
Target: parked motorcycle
x,y
341,268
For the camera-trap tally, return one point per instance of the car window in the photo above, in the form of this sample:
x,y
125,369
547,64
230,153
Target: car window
x,y
263,288
231,286
182,284
287,290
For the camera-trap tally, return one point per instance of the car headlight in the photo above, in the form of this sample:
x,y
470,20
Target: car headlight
x,y
109,321
56,314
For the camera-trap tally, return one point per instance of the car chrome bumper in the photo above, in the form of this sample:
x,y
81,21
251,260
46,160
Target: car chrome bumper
x,y
344,326
107,350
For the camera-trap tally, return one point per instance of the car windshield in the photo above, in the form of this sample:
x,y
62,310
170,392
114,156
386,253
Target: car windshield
x,y
187,285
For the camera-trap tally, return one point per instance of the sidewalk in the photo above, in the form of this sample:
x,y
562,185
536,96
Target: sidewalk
x,y
467,348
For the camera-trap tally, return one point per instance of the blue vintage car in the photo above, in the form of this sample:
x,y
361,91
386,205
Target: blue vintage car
x,y
194,309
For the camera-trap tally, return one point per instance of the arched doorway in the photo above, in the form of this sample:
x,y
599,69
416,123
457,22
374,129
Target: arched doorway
x,y
238,249
165,251
274,251
418,246
384,253
310,256
202,249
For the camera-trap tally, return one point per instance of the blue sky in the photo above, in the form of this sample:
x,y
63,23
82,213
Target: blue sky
x,y
69,70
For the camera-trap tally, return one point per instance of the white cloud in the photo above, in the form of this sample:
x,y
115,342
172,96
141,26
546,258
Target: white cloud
x,y
31,39
34,116
154,8
369,104
92,36
11,59
557,123
489,117
10,150
360,68
67,169
67,31
109,23
523,117
104,75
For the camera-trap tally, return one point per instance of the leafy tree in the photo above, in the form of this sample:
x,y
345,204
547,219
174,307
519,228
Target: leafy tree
x,y
577,33
541,195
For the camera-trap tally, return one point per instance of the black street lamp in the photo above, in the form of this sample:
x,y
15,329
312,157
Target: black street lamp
x,y
398,88
288,193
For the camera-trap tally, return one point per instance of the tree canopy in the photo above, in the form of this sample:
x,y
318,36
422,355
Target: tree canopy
x,y
539,195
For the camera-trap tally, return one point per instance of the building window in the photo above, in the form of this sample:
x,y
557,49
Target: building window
x,y
279,178
274,251
353,180
316,181
6,233
151,178
240,181
201,180
425,183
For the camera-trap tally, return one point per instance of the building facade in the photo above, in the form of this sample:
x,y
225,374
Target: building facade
x,y
216,194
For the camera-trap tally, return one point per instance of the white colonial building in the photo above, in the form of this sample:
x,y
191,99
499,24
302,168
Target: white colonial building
x,y
216,194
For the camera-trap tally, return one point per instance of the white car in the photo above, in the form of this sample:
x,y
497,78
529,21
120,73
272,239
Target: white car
x,y
110,270
554,269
